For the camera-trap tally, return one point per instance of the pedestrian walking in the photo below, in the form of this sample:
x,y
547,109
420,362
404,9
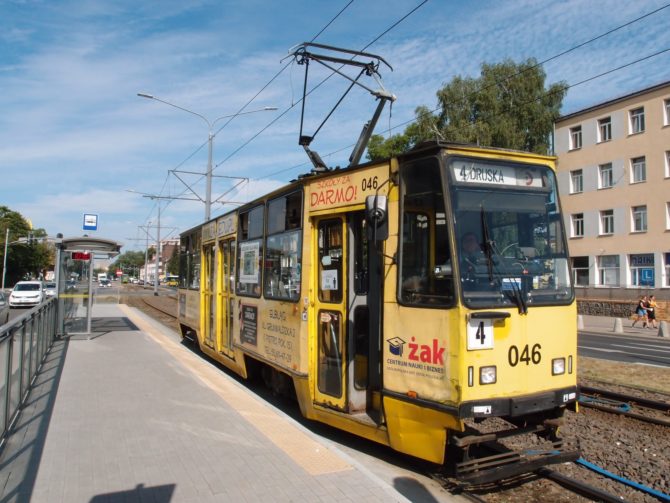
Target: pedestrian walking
x,y
651,312
641,312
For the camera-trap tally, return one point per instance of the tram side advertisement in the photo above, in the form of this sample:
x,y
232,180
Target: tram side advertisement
x,y
273,332
416,358
346,189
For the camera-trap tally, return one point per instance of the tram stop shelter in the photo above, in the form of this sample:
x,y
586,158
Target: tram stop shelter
x,y
74,276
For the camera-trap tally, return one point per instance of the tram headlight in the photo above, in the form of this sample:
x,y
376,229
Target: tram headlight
x,y
487,375
557,366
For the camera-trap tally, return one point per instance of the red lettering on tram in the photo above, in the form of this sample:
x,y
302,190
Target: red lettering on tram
x,y
331,197
427,354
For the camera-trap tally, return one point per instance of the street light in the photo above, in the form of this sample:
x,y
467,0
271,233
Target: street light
x,y
210,140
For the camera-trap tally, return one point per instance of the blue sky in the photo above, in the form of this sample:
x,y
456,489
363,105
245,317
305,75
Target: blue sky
x,y
74,135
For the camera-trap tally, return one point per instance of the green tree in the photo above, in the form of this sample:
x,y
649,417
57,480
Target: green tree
x,y
173,264
508,106
24,259
129,262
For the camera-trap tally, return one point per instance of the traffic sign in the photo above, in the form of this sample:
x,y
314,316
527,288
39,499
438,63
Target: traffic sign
x,y
90,222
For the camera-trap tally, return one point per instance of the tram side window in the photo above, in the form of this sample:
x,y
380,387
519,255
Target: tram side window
x,y
183,262
194,262
189,261
330,261
426,276
249,252
283,248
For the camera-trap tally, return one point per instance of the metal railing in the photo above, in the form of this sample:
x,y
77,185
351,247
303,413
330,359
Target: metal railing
x,y
24,343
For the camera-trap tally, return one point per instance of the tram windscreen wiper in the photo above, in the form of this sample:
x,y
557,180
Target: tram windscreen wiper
x,y
488,244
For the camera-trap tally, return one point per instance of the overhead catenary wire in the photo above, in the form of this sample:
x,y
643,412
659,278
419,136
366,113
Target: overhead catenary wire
x,y
241,109
516,74
395,24
190,156
562,53
272,122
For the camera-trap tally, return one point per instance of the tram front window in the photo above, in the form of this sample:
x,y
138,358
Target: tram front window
x,y
511,248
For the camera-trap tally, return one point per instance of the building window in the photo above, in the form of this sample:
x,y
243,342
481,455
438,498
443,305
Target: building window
x,y
606,176
637,120
605,129
667,163
667,216
638,168
642,270
608,266
580,271
575,137
667,269
667,112
639,218
607,222
576,181
578,225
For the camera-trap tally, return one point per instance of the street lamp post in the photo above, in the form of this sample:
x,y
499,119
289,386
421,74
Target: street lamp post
x,y
210,141
4,259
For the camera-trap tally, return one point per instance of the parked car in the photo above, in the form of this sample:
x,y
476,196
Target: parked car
x,y
4,309
26,293
50,289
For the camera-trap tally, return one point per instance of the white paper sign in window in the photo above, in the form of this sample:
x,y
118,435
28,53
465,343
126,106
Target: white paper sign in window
x,y
329,279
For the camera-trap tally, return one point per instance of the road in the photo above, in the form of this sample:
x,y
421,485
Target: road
x,y
651,350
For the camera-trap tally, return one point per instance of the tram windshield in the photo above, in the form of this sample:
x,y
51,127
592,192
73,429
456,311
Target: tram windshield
x,y
509,233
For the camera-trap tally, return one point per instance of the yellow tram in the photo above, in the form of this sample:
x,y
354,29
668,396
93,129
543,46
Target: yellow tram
x,y
397,299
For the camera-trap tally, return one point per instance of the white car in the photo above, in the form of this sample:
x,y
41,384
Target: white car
x,y
26,293
50,289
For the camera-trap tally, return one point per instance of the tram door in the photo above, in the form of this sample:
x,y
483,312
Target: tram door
x,y
341,314
227,254
209,295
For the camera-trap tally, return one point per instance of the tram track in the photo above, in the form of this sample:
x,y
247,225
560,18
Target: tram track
x,y
632,406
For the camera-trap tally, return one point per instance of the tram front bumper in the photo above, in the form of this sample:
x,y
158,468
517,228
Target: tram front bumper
x,y
518,405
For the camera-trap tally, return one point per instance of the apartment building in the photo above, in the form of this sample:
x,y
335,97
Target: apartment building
x,y
614,180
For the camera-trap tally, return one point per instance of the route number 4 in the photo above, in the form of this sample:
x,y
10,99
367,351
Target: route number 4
x,y
480,334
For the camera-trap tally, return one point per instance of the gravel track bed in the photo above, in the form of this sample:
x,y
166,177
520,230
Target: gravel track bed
x,y
627,447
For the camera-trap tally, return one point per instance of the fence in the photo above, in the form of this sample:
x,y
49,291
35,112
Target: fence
x,y
24,343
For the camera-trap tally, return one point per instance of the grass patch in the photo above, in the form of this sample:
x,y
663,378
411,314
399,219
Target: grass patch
x,y
625,374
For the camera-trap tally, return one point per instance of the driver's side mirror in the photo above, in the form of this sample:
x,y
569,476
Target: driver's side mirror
x,y
377,216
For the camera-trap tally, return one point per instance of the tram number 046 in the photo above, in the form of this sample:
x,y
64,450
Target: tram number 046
x,y
526,355
369,183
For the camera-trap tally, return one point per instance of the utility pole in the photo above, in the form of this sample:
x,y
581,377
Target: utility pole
x,y
210,141
158,199
4,258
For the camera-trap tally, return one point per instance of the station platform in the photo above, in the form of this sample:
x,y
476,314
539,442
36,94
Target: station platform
x,y
130,414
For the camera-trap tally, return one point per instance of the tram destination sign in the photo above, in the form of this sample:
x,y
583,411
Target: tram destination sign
x,y
496,174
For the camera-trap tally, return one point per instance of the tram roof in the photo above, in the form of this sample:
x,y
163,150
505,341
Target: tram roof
x,y
420,149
